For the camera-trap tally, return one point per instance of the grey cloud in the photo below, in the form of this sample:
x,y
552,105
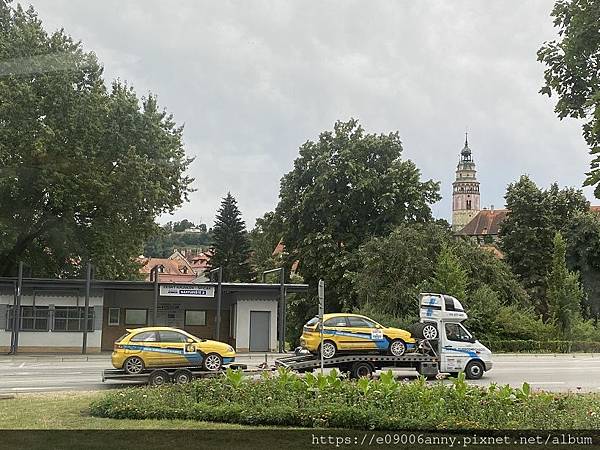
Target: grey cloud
x,y
253,80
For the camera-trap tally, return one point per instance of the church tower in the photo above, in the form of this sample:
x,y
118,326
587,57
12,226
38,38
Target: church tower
x,y
465,190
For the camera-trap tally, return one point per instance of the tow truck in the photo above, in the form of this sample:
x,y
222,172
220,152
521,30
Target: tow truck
x,y
445,346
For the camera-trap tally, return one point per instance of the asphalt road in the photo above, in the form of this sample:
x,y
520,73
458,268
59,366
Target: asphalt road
x,y
579,372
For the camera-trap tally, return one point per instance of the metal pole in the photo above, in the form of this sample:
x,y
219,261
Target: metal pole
x,y
283,310
86,308
17,312
219,293
155,306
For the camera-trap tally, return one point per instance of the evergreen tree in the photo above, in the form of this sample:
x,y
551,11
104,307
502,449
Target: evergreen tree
x,y
449,278
232,247
564,291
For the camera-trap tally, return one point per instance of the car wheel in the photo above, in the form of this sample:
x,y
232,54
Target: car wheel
x,y
329,350
158,378
397,347
429,331
133,365
182,376
213,362
474,370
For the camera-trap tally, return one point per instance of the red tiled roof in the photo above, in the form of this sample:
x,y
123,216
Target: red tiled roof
x,y
173,269
279,249
487,221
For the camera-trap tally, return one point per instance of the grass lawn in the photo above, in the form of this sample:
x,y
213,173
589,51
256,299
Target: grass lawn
x,y
70,410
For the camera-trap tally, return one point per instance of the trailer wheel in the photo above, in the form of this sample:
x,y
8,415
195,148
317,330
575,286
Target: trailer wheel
x,y
474,370
158,378
329,350
361,369
213,362
182,376
133,365
397,347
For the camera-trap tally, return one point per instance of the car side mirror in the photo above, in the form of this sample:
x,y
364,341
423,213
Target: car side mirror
x,y
472,340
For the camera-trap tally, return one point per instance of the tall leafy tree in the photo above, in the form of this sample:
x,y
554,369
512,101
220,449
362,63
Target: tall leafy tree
x,y
582,236
449,276
527,232
264,237
573,71
345,188
232,247
84,170
564,291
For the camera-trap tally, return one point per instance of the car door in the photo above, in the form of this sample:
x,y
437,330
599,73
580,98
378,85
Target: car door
x,y
336,329
457,347
146,345
172,344
365,334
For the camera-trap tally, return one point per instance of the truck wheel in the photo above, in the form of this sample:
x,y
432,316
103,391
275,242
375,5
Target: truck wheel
x,y
474,370
329,350
397,347
212,362
182,376
361,369
158,378
133,365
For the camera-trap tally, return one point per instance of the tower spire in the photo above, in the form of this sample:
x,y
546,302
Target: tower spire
x,y
466,138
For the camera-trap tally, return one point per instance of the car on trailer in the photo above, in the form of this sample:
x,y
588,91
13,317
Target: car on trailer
x,y
156,347
343,332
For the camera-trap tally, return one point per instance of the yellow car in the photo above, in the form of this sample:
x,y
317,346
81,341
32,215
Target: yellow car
x,y
353,332
168,347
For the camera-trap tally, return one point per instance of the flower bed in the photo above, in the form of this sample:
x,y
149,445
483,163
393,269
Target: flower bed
x,y
330,401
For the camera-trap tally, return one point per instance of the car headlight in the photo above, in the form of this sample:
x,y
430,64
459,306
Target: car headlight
x,y
230,349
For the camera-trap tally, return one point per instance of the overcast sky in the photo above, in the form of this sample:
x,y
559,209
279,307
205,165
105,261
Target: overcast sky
x,y
253,80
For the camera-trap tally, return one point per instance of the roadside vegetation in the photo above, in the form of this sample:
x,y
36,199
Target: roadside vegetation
x,y
328,401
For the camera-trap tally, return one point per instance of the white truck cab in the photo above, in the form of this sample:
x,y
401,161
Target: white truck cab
x,y
458,350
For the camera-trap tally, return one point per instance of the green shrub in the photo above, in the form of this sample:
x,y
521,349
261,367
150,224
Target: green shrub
x,y
285,399
532,346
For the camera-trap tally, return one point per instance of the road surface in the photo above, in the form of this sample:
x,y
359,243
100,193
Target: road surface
x,y
578,372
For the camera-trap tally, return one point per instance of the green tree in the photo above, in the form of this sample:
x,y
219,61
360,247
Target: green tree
x,y
564,291
528,230
573,71
449,277
264,237
183,225
392,268
232,248
84,170
345,188
582,236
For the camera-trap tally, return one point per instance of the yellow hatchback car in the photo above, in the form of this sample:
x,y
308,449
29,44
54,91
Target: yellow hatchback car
x,y
353,332
153,347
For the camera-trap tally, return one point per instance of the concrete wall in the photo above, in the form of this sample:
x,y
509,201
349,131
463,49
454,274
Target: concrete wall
x,y
245,304
52,341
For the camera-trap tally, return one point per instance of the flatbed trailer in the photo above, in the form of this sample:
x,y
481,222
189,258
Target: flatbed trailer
x,y
163,375
361,365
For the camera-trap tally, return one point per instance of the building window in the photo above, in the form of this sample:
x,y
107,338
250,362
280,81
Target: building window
x,y
468,204
136,316
114,316
72,318
32,318
195,318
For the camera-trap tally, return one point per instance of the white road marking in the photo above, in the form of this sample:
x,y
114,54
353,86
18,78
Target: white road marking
x,y
546,382
22,365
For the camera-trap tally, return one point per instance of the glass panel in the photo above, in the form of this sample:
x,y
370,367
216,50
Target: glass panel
x,y
336,322
359,322
113,316
195,318
171,336
135,317
146,336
